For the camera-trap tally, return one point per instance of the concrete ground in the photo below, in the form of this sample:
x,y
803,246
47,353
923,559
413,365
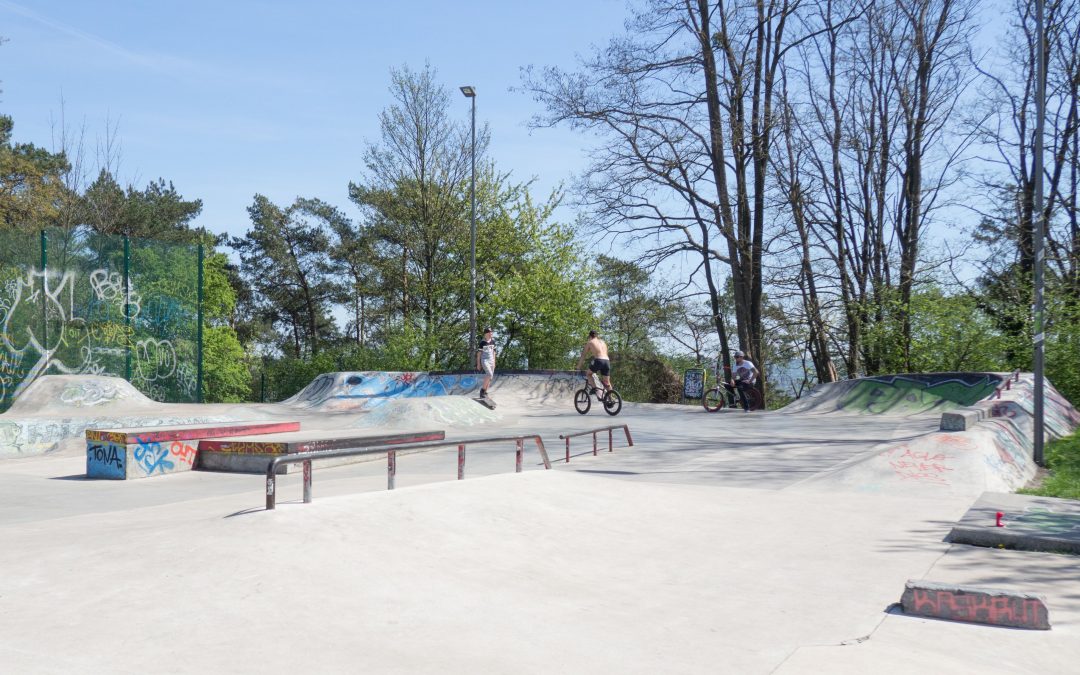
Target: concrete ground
x,y
693,551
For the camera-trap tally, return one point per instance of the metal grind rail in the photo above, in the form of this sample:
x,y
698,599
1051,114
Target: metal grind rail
x,y
610,442
1015,377
391,460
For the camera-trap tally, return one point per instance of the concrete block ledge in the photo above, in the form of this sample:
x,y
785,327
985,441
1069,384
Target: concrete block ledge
x,y
961,420
975,605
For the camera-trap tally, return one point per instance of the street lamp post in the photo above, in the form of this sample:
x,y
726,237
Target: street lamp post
x,y
1040,231
470,93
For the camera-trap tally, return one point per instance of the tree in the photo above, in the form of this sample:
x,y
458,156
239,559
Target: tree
x,y
283,258
31,185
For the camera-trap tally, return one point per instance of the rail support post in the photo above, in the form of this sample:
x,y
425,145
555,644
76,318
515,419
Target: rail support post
x,y
461,462
307,482
594,444
391,469
568,450
271,488
610,443
517,458
626,430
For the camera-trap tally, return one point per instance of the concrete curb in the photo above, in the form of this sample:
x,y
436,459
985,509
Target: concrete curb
x,y
975,605
1029,523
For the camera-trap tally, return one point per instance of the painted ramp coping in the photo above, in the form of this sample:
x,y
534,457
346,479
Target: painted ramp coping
x,y
141,452
975,605
252,454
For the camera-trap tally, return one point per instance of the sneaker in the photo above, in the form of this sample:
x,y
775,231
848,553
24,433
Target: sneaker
x,y
483,393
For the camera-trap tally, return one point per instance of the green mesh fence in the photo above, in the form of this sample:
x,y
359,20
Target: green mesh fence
x,y
73,302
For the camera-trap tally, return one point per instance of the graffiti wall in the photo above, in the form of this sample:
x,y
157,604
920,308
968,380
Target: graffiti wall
x,y
78,303
331,391
908,394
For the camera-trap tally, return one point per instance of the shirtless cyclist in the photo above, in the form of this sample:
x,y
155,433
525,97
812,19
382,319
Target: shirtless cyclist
x,y
601,363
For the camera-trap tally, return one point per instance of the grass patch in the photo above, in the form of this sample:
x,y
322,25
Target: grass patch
x,y
1063,461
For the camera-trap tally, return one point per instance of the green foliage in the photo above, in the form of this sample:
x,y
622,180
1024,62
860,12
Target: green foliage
x,y
948,333
226,376
31,182
536,287
283,258
1063,460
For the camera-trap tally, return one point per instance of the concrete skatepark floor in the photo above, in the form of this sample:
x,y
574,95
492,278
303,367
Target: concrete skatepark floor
x,y
696,550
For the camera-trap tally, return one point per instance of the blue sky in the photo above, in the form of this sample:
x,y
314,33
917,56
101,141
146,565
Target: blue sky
x,y
231,98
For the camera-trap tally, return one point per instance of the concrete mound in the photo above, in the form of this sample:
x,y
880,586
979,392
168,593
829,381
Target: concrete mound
x,y
355,390
910,394
344,391
994,454
53,394
406,413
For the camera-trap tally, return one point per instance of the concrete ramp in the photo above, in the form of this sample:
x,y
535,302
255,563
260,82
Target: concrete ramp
x,y
911,394
60,394
369,390
404,413
358,390
994,453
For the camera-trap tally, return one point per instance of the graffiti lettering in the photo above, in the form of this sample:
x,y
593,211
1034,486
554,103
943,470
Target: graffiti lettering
x,y
977,607
106,454
152,457
184,452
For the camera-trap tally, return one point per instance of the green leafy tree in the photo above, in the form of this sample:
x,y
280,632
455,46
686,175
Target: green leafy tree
x,y
31,182
283,258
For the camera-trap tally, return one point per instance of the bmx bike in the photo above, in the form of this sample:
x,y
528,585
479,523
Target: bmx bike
x,y
727,395
609,398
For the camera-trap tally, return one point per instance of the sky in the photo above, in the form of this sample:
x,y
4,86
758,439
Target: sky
x,y
232,98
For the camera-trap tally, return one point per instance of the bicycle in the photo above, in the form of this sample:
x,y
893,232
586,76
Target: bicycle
x,y
610,398
713,399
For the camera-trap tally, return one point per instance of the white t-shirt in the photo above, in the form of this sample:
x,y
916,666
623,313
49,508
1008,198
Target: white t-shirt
x,y
487,350
744,372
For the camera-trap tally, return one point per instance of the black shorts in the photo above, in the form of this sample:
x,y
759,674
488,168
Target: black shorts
x,y
601,366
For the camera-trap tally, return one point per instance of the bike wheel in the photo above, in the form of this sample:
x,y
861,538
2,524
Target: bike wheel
x,y
753,397
612,402
582,402
713,399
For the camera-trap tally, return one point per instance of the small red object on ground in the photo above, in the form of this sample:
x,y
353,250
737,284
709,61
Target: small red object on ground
x,y
1000,515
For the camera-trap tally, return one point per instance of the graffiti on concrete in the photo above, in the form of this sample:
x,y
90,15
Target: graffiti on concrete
x,y
343,389
32,436
917,465
1050,522
956,604
150,456
917,393
91,392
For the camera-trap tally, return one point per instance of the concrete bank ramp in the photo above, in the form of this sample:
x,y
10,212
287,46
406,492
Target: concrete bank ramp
x,y
370,390
63,394
407,413
911,394
994,454
59,408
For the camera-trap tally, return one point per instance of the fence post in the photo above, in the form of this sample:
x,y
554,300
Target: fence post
x,y
127,308
517,461
461,462
199,336
391,469
307,482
